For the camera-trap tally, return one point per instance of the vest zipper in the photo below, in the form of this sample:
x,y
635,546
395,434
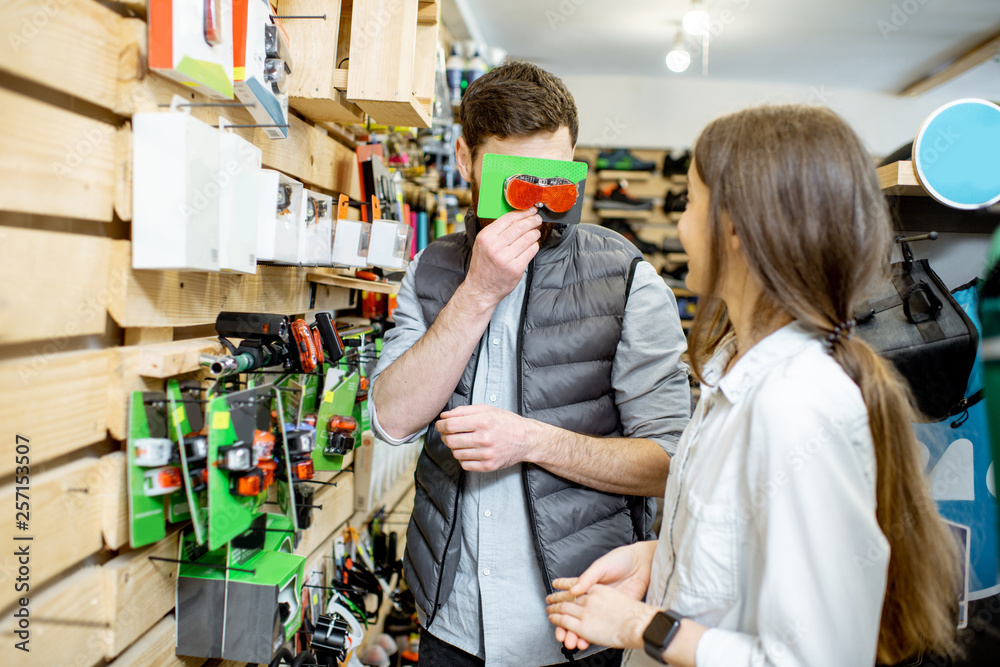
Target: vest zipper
x,y
520,411
444,557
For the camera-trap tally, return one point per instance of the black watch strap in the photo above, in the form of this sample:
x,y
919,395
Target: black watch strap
x,y
660,632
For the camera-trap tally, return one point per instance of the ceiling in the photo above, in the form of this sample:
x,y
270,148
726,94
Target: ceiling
x,y
855,44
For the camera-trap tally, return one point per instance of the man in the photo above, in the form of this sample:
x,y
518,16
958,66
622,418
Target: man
x,y
543,363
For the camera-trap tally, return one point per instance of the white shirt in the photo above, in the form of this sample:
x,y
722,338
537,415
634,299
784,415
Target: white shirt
x,y
769,535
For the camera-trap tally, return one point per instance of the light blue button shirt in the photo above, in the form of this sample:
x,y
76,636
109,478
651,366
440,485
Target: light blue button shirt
x,y
497,608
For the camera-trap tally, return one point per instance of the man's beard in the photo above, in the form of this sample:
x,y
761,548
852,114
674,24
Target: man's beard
x,y
545,228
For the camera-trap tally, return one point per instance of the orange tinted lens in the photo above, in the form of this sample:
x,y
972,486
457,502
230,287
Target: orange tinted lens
x,y
340,423
521,194
248,486
268,468
558,197
304,470
170,478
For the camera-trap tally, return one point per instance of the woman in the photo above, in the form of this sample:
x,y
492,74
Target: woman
x,y
798,527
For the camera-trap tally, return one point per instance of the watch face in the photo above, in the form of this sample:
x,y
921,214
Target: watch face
x,y
658,629
659,632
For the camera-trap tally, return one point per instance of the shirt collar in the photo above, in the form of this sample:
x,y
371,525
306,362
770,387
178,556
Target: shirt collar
x,y
752,366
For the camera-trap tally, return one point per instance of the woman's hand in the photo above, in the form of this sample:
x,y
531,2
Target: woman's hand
x,y
604,616
625,569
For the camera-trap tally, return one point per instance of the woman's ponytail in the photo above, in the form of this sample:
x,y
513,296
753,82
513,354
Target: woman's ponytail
x,y
920,608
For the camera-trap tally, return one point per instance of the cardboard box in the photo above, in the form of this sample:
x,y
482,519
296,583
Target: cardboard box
x,y
251,19
278,218
316,229
253,628
192,45
236,617
350,243
239,178
175,192
389,246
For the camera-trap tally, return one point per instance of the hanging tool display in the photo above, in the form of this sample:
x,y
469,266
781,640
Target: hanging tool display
x,y
267,341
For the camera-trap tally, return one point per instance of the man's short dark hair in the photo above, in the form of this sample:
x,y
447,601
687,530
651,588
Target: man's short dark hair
x,y
513,100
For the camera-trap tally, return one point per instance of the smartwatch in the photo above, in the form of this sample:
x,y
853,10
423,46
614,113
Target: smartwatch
x,y
660,632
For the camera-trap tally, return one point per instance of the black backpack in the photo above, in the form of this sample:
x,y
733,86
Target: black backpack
x,y
914,322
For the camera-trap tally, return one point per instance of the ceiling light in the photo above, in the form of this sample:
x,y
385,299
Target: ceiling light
x,y
696,20
679,58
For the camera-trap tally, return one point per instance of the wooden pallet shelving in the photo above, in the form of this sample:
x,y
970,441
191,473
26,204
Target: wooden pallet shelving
x,y
899,178
80,330
391,70
317,91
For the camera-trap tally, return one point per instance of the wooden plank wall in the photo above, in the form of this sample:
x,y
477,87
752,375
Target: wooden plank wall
x,y
80,329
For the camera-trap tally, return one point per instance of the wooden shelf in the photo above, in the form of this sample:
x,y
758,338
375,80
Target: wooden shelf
x,y
682,291
317,89
141,298
668,224
613,175
686,324
677,257
354,283
391,74
606,213
464,195
899,178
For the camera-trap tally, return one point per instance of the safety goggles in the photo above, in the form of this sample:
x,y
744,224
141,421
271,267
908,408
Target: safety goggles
x,y
556,194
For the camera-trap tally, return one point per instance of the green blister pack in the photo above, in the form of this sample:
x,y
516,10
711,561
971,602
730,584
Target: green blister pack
x,y
498,168
147,429
185,418
231,418
336,401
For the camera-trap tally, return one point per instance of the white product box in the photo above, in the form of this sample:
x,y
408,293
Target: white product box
x,y
239,178
175,192
278,218
389,246
261,77
350,243
191,41
316,230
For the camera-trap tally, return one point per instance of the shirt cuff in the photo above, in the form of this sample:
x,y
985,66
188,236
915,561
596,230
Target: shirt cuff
x,y
722,648
668,444
380,432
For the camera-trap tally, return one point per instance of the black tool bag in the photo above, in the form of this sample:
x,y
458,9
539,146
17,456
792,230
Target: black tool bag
x,y
914,322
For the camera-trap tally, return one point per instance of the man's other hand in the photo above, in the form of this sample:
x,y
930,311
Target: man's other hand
x,y
484,438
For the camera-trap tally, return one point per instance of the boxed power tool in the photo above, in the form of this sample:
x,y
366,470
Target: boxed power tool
x,y
316,229
191,42
239,183
279,209
262,65
175,191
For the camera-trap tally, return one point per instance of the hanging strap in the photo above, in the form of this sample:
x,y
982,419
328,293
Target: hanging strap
x,y
918,293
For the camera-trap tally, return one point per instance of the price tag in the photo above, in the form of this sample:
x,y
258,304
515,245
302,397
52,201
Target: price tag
x,y
220,421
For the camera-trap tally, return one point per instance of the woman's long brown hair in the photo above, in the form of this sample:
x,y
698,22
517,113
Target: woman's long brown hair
x,y
805,202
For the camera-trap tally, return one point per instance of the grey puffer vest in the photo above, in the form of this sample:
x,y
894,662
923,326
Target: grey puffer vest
x,y
571,322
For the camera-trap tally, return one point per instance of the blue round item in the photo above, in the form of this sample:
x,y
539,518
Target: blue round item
x,y
956,155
